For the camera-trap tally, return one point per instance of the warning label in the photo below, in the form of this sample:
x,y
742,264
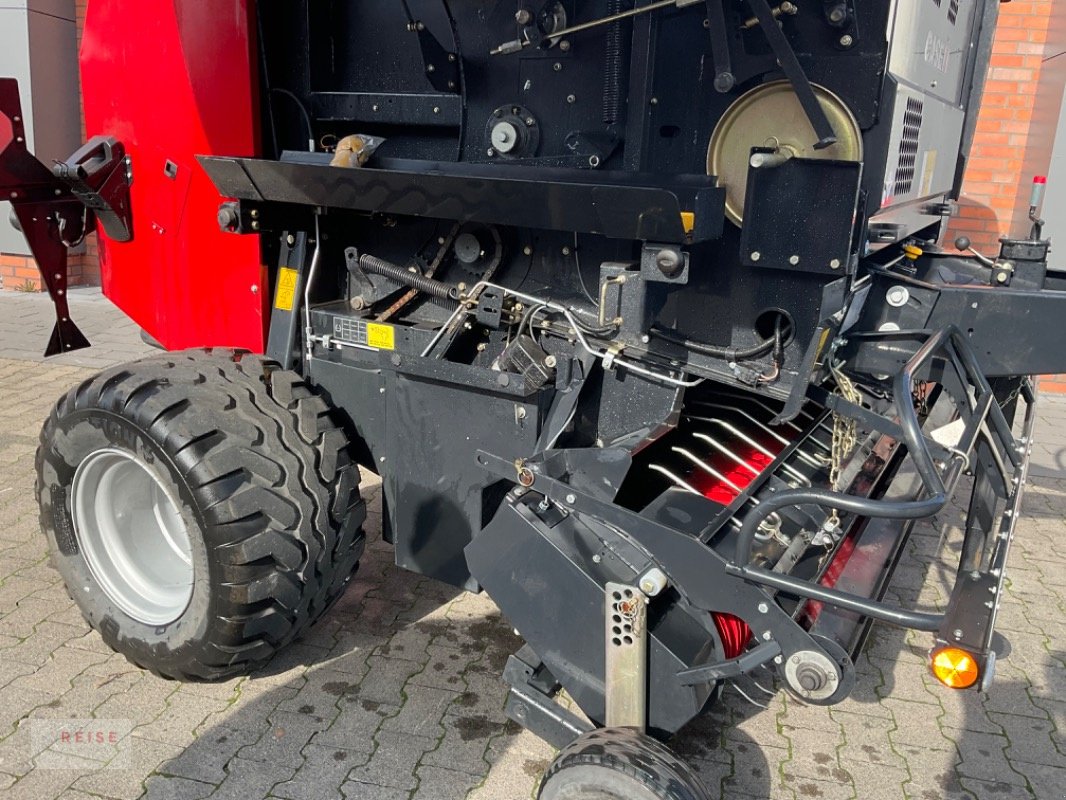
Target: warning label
x,y
382,337
285,297
364,334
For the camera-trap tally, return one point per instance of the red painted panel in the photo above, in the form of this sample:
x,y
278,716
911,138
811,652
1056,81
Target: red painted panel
x,y
173,80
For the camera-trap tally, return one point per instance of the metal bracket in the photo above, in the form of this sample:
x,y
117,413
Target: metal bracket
x,y
530,703
626,642
790,65
724,79
51,218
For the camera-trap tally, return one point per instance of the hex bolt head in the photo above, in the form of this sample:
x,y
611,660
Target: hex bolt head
x,y
847,40
571,498
957,633
763,608
756,256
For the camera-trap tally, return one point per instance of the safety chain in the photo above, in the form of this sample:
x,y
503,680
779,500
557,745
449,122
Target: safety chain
x,y
845,437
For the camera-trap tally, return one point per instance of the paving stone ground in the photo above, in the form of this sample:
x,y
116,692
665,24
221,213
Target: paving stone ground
x,y
396,694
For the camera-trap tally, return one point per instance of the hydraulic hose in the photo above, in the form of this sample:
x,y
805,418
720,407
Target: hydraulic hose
x,y
434,288
727,353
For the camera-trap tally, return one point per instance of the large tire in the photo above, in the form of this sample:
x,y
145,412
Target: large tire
x,y
619,764
231,494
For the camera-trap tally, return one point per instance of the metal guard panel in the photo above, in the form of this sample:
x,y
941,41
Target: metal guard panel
x,y
614,204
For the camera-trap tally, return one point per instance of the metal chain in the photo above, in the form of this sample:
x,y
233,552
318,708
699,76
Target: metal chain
x,y
845,437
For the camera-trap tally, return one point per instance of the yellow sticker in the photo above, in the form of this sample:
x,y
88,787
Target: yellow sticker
x,y
288,279
821,346
382,337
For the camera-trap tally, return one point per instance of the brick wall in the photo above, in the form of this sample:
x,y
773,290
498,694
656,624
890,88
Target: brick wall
x,y
1016,125
19,273
1015,129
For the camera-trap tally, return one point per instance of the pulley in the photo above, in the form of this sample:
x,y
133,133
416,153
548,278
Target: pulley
x,y
771,116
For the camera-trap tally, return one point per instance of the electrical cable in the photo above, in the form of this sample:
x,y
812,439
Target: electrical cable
x,y
580,277
303,111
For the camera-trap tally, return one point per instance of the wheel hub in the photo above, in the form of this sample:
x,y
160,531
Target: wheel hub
x,y
132,536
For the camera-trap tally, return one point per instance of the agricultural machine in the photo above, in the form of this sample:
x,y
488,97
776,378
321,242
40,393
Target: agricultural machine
x,y
638,309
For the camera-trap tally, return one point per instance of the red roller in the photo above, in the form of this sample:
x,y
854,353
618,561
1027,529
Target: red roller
x,y
734,632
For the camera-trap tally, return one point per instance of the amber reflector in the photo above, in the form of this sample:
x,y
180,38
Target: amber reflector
x,y
955,668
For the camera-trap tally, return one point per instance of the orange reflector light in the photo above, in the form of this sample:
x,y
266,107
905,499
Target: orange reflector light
x,y
955,668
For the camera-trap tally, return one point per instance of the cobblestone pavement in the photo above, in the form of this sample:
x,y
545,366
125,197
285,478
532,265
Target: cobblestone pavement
x,y
396,694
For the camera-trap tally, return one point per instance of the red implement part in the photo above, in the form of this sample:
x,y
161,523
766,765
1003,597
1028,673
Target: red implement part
x,y
172,81
734,632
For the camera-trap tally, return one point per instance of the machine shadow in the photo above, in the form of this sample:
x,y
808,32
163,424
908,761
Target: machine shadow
x,y
399,687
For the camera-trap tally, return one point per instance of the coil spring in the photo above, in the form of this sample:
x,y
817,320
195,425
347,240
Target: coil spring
x,y
613,66
438,289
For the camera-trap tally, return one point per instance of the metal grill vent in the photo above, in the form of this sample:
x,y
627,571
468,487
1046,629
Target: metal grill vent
x,y
908,147
953,11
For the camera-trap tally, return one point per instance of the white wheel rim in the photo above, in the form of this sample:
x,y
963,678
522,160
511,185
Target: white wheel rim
x,y
132,536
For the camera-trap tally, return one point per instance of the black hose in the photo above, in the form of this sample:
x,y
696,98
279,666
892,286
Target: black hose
x,y
438,289
884,509
728,353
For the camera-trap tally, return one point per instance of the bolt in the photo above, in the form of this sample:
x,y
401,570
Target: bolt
x,y
1001,277
655,101
763,608
375,107
567,251
834,264
571,99
669,263
957,633
255,225
557,67
756,256
847,40
523,17
837,15
550,362
530,122
255,289
767,636
521,412
564,45
571,498
430,68
596,559
436,109
491,152
645,339
794,260
290,240
527,250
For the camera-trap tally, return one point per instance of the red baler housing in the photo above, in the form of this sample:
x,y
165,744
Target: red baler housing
x,y
172,81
